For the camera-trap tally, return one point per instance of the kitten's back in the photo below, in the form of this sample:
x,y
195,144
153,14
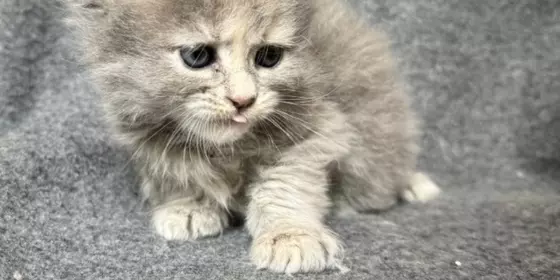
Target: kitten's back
x,y
356,54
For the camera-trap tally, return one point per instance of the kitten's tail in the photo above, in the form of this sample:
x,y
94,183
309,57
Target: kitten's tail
x,y
421,189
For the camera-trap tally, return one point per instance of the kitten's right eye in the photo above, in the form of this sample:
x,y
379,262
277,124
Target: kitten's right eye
x,y
198,56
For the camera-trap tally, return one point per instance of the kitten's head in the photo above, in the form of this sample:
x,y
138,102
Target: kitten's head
x,y
211,69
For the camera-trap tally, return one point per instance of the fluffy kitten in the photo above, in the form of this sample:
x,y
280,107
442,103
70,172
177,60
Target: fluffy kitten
x,y
254,107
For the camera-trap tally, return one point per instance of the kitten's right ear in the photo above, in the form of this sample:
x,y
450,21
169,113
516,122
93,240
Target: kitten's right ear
x,y
89,8
87,15
94,5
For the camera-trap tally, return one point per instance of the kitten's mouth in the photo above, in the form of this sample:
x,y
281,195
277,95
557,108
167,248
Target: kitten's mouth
x,y
234,121
239,119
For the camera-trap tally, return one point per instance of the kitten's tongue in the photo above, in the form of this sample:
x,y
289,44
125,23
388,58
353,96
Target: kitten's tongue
x,y
240,119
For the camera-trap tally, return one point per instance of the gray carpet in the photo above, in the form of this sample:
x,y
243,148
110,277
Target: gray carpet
x,y
486,78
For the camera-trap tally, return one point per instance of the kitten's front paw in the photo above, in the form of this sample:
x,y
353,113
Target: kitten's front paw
x,y
295,250
188,222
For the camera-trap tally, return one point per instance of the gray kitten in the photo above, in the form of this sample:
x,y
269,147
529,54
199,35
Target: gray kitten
x,y
254,107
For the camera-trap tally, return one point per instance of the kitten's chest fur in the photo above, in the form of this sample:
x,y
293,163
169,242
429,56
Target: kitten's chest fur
x,y
223,173
227,172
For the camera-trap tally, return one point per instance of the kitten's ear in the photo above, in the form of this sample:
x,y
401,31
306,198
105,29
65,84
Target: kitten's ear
x,y
98,5
89,8
87,15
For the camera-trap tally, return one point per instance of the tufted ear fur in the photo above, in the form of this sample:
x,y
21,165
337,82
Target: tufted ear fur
x,y
87,21
94,5
87,11
90,5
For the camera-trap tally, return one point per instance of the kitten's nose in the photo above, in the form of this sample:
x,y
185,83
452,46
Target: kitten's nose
x,y
242,103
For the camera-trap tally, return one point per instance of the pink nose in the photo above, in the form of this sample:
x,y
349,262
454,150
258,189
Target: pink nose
x,y
242,103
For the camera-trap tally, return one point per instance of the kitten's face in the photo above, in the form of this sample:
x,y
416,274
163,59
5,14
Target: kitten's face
x,y
211,68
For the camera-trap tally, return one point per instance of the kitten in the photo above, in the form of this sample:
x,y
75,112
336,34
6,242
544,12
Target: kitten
x,y
254,107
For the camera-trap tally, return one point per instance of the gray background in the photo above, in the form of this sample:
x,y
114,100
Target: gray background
x,y
486,79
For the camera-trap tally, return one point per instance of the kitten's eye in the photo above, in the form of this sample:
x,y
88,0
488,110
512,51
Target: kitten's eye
x,y
198,56
269,56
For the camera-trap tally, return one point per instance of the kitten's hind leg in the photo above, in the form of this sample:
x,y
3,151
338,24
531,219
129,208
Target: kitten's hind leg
x,y
420,189
365,186
369,182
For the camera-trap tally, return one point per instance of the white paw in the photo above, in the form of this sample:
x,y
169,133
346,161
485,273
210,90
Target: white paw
x,y
188,222
421,189
292,250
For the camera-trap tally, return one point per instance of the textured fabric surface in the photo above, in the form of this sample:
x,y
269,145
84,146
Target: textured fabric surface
x,y
486,79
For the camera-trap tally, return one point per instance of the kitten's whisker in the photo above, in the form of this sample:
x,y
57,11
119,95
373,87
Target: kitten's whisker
x,y
141,146
203,122
321,95
277,122
306,125
200,143
271,140
168,146
190,134
313,146
293,103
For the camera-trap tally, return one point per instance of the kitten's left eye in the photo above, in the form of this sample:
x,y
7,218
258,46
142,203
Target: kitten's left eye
x,y
269,56
198,56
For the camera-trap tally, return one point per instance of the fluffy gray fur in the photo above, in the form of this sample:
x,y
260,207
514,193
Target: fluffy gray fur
x,y
331,113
